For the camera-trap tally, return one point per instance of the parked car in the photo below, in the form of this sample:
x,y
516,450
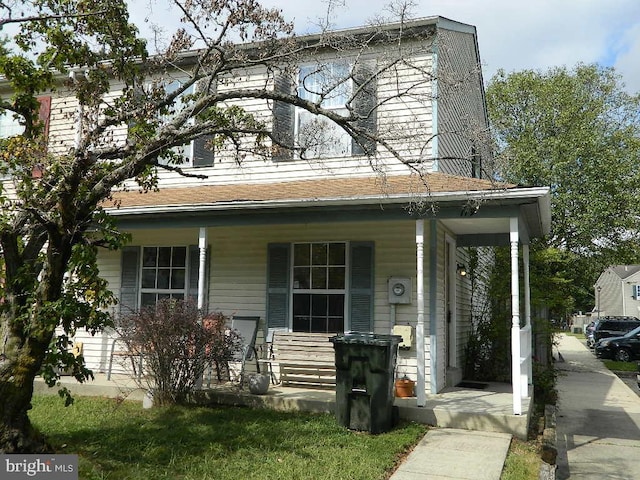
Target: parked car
x,y
622,349
612,326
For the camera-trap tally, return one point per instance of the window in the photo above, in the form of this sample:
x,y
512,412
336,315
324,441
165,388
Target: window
x,y
195,153
319,286
329,85
635,291
150,273
333,85
9,125
163,274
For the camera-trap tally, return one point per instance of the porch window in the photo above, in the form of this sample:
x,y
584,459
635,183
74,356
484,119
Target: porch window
x,y
163,274
319,287
150,273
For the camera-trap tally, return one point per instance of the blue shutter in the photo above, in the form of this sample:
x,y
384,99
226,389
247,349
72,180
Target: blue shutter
x,y
361,287
365,102
129,281
278,285
283,120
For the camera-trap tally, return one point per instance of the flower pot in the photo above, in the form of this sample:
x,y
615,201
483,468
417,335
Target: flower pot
x,y
258,383
405,388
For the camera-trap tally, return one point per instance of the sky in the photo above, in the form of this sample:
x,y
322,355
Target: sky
x,y
513,35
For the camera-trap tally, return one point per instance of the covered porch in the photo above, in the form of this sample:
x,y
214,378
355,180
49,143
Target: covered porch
x,y
455,212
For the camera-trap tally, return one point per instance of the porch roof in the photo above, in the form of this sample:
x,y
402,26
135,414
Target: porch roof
x,y
468,206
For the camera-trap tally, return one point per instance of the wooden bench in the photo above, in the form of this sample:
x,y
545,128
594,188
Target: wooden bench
x,y
303,359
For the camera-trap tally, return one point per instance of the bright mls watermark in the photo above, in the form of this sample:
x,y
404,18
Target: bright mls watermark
x,y
46,467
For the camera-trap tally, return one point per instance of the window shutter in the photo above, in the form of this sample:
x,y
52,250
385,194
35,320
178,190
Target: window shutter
x,y
194,270
203,154
364,106
283,119
361,287
129,282
278,285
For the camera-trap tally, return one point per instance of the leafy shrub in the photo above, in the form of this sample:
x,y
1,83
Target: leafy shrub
x,y
177,344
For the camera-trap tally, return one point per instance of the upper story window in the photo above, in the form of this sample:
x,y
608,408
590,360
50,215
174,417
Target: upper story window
x,y
338,86
195,153
329,85
9,125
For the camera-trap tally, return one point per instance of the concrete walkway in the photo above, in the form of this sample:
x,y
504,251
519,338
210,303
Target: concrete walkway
x,y
598,418
447,453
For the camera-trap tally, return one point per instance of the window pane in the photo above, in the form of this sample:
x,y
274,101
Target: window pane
x,y
179,257
319,305
319,278
177,279
336,277
337,254
149,278
164,257
301,277
301,304
319,324
319,253
163,278
148,299
335,325
336,305
149,256
302,254
301,324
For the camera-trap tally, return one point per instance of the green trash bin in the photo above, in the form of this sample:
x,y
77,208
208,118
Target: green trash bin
x,y
365,366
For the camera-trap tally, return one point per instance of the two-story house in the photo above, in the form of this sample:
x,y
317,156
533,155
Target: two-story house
x,y
313,239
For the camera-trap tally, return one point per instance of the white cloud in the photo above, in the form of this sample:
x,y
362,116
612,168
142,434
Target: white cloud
x,y
512,34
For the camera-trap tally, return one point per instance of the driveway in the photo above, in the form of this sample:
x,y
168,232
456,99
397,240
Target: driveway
x,y
598,418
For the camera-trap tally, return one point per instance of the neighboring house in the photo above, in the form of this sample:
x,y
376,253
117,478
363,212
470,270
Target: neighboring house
x,y
617,291
318,245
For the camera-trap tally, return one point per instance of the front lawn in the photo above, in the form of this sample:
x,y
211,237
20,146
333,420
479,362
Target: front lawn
x,y
120,440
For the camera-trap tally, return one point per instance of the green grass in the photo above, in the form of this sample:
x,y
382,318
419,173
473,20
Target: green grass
x,y
523,461
120,440
621,366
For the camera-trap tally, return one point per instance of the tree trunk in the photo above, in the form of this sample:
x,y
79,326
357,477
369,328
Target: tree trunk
x,y
18,369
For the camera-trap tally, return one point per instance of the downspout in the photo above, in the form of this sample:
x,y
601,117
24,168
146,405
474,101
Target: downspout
x,y
79,114
434,107
527,316
421,398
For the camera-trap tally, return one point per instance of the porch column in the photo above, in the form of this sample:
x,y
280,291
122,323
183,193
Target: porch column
x,y
515,319
527,317
202,267
421,396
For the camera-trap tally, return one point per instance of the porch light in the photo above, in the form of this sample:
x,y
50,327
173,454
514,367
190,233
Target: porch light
x,y
462,270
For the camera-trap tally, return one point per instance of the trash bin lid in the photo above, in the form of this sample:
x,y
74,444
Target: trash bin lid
x,y
362,338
